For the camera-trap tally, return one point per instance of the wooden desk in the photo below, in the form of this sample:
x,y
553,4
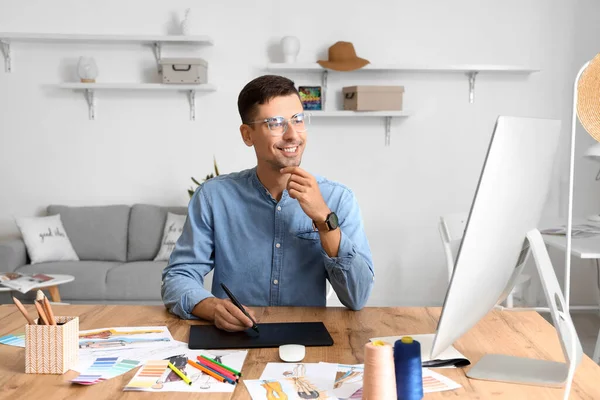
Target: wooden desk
x,y
514,333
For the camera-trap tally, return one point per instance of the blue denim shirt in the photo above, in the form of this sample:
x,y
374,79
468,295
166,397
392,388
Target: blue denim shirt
x,y
265,251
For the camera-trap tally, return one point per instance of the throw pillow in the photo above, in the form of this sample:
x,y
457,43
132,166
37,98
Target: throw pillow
x,y
46,239
171,232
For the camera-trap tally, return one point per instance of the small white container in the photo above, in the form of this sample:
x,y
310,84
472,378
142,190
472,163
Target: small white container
x,y
184,70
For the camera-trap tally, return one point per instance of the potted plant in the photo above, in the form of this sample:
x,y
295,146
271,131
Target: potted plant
x,y
191,190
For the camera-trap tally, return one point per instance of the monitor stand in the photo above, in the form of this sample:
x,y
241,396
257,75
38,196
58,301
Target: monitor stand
x,y
497,367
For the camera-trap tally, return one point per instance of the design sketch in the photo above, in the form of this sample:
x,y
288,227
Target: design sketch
x,y
304,388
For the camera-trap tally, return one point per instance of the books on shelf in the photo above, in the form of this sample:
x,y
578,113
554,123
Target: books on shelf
x,y
23,282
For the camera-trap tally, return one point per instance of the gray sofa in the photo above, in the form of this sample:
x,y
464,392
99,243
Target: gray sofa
x,y
116,246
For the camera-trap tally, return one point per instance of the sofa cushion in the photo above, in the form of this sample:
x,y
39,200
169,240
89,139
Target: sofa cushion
x,y
98,232
90,277
146,226
139,280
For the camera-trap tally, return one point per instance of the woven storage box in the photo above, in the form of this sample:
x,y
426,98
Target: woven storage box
x,y
52,349
184,70
373,98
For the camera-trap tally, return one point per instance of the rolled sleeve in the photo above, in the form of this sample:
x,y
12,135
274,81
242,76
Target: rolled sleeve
x,y
192,258
351,273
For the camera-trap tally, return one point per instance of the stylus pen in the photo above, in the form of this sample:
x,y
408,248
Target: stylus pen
x,y
238,305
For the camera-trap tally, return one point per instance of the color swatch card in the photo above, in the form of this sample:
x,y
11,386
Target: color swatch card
x,y
156,376
434,382
13,340
294,381
104,368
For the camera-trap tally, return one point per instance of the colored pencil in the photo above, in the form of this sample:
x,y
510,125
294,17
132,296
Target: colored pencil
x,y
218,370
49,312
23,311
41,313
233,371
207,371
181,374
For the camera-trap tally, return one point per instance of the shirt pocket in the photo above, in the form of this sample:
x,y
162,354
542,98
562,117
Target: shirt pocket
x,y
308,234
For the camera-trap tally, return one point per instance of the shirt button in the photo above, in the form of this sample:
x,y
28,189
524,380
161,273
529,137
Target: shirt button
x,y
275,281
278,208
278,245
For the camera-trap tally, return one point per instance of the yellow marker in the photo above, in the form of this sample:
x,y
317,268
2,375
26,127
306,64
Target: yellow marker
x,y
181,374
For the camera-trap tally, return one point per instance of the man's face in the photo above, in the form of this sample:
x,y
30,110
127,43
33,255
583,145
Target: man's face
x,y
277,151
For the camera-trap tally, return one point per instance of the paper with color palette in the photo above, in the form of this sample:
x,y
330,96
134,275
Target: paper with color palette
x,y
104,368
13,340
156,376
434,382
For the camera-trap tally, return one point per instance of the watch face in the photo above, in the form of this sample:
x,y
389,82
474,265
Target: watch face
x,y
333,221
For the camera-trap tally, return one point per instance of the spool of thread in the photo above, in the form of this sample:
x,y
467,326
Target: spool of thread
x,y
407,365
379,380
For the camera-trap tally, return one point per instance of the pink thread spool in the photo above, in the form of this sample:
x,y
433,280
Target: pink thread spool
x,y
379,380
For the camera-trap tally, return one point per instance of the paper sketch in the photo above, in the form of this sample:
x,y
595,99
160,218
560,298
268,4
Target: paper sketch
x,y
108,333
271,389
426,342
309,381
348,380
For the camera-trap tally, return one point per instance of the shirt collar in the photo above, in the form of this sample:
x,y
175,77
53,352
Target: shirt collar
x,y
264,191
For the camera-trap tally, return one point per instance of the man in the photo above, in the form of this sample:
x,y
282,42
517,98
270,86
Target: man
x,y
274,233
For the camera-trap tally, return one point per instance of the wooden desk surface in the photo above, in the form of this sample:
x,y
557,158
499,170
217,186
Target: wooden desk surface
x,y
513,333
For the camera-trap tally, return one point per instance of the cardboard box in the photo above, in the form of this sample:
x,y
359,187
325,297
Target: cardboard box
x,y
52,349
373,98
184,70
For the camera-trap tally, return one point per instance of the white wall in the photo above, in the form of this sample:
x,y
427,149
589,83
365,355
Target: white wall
x,y
143,148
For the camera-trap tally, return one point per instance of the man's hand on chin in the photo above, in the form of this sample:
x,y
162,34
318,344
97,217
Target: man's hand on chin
x,y
303,187
224,314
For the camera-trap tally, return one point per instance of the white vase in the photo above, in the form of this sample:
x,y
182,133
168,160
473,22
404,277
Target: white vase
x,y
185,23
87,69
290,47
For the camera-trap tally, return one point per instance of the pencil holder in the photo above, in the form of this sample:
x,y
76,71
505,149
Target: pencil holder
x,y
52,349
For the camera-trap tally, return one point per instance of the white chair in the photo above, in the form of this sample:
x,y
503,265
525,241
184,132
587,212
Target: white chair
x,y
452,228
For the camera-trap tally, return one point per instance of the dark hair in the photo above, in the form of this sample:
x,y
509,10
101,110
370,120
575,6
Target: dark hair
x,y
259,91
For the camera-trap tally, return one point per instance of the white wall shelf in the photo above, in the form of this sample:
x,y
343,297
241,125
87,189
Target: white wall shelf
x,y
156,41
471,70
90,89
388,115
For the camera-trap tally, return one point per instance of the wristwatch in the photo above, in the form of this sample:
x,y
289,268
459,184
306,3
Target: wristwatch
x,y
330,223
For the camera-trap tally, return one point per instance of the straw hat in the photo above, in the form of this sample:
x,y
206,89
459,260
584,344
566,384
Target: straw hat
x,y
588,98
342,57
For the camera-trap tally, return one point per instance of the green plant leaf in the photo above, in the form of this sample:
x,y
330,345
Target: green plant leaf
x,y
215,164
195,181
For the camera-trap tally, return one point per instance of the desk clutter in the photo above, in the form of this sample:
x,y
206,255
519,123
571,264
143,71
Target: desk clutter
x,y
392,369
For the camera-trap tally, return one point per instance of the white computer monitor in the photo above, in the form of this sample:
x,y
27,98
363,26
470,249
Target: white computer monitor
x,y
507,207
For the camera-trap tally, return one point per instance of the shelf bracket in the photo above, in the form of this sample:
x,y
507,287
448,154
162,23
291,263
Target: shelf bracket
x,y
192,105
7,55
324,89
388,128
157,49
91,100
472,76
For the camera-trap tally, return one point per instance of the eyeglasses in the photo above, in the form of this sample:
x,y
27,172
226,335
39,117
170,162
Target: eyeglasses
x,y
279,125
